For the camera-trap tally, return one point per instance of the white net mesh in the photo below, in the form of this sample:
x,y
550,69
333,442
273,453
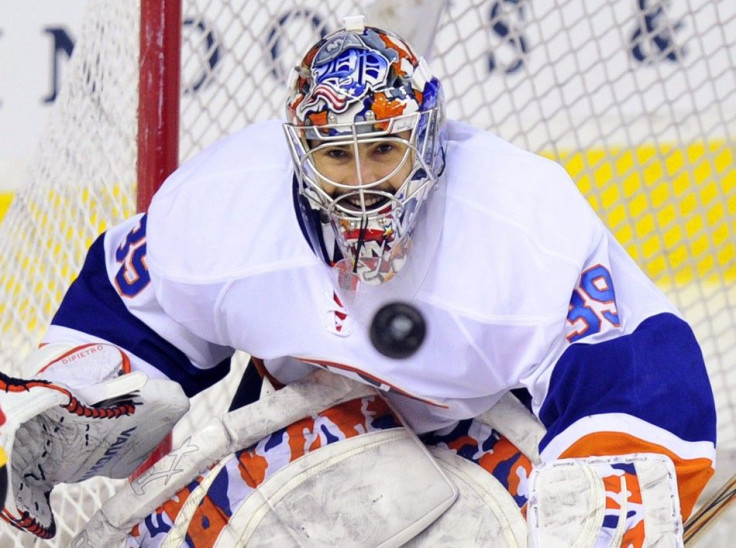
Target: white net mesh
x,y
636,99
82,178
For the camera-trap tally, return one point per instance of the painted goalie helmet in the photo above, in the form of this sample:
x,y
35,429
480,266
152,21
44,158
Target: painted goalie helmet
x,y
364,121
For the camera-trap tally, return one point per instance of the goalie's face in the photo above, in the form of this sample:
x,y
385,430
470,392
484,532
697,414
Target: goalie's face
x,y
362,175
368,186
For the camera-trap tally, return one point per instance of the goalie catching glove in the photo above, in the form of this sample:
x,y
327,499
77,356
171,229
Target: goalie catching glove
x,y
84,415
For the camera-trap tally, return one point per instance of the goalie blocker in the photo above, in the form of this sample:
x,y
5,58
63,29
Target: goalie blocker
x,y
628,500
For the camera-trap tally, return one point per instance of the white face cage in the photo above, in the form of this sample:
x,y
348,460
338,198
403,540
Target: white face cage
x,y
372,217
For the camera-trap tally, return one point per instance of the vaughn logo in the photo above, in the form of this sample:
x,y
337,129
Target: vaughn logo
x,y
111,452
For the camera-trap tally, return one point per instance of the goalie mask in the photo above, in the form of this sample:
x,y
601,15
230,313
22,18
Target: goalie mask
x,y
364,118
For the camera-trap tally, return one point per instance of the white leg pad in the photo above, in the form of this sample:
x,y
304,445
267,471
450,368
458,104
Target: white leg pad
x,y
484,514
379,488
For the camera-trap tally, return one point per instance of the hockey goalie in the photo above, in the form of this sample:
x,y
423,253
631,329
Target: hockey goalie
x,y
559,399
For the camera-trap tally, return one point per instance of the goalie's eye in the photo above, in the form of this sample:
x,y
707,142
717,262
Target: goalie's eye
x,y
384,148
338,154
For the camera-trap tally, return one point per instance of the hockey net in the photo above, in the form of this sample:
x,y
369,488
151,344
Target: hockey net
x,y
637,99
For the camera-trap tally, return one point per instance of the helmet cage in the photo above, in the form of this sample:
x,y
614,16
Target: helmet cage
x,y
372,225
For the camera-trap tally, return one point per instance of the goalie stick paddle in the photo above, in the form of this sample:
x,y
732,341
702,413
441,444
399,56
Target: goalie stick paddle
x,y
710,511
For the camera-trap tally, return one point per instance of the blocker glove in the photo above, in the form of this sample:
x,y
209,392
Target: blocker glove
x,y
103,421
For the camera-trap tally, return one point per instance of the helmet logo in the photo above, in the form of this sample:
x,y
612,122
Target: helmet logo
x,y
344,71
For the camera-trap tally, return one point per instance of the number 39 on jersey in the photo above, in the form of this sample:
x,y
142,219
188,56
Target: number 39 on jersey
x,y
592,305
132,276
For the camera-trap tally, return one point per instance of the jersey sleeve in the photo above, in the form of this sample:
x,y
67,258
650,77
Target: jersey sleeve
x,y
112,300
630,378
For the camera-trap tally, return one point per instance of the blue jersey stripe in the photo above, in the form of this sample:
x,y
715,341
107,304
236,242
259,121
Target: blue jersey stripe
x,y
656,373
92,305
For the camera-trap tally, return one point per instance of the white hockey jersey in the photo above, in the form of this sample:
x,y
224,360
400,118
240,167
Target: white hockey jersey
x,y
527,290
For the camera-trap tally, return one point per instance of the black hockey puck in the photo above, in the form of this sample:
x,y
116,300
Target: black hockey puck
x,y
398,330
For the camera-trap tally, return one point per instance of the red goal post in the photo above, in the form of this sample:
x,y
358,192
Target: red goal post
x,y
636,99
158,93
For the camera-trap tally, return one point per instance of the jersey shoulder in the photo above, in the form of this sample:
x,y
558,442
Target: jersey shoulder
x,y
503,180
516,225
228,211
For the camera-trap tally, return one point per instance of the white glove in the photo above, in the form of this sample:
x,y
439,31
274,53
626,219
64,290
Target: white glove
x,y
56,434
